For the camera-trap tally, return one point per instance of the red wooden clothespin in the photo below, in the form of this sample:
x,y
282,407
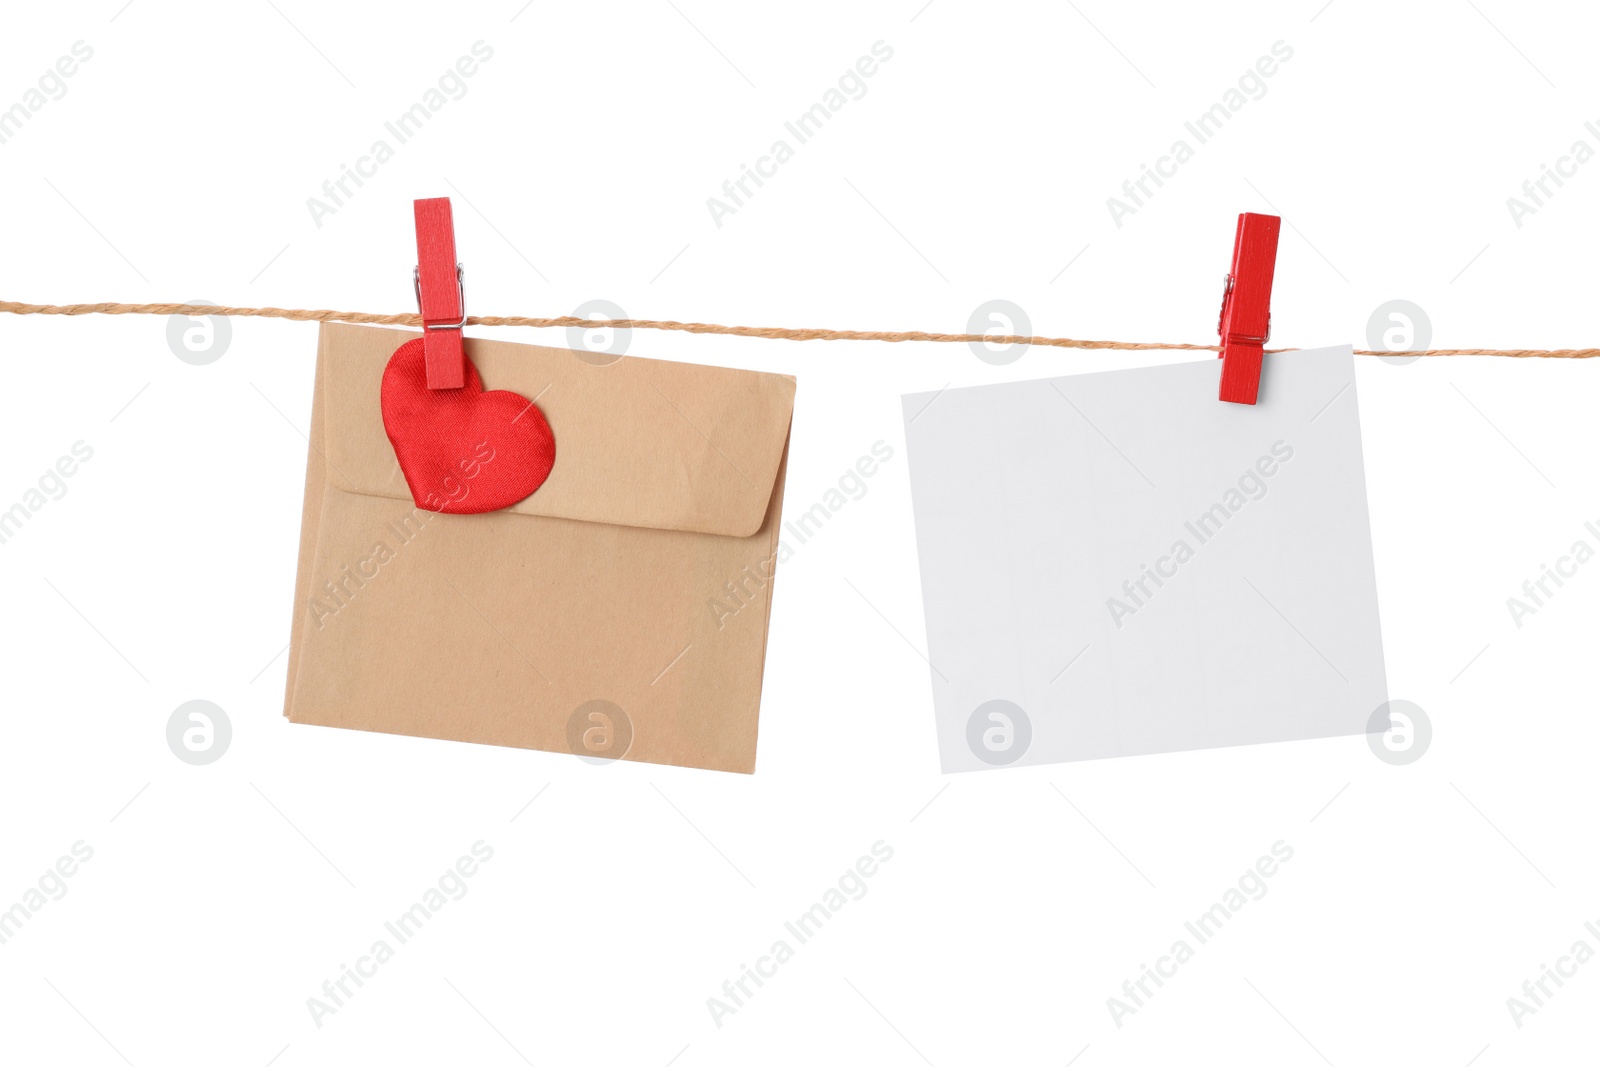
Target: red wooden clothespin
x,y
1246,320
441,295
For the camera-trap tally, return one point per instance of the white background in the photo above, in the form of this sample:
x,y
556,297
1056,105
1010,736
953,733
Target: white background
x,y
977,166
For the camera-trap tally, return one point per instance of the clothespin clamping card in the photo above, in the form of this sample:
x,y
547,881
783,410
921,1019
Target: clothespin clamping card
x,y
1246,321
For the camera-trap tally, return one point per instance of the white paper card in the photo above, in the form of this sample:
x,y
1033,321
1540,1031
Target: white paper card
x,y
1119,563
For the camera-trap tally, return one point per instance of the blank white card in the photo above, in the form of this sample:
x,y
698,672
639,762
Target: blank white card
x,y
1118,564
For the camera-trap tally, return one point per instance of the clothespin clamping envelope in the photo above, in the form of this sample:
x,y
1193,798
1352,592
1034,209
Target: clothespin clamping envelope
x,y
441,294
619,611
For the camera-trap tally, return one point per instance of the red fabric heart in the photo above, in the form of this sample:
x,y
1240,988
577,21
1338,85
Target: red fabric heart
x,y
462,451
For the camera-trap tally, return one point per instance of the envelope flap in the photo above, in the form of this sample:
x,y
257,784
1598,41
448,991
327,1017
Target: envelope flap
x,y
639,442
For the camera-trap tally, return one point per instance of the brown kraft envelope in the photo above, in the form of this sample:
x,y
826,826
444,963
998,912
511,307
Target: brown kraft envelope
x,y
639,574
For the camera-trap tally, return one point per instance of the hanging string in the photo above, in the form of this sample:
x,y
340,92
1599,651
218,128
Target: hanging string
x,y
770,332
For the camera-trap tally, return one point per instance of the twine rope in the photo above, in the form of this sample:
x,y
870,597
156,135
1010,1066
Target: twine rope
x,y
771,332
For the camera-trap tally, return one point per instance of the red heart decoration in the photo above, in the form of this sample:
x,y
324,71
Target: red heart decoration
x,y
462,451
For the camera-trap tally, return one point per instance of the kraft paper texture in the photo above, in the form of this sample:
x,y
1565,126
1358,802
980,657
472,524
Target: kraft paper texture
x,y
606,589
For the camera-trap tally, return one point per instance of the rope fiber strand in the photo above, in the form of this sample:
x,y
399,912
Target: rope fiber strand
x,y
771,332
